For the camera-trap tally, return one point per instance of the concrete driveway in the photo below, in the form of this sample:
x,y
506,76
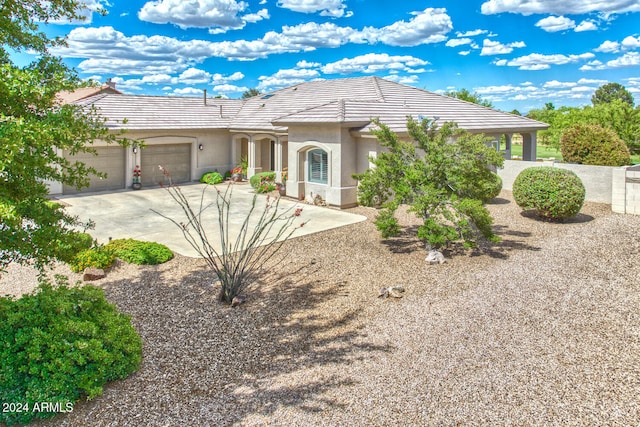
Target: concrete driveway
x,y
128,214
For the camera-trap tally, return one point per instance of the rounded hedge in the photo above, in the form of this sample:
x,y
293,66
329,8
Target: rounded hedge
x,y
138,252
61,345
211,178
591,144
553,192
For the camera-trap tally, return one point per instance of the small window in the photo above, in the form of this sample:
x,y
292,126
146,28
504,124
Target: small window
x,y
318,166
267,96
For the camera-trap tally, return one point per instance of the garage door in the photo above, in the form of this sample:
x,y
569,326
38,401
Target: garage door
x,y
109,160
176,158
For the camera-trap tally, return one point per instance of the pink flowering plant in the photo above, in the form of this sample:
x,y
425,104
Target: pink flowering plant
x,y
137,174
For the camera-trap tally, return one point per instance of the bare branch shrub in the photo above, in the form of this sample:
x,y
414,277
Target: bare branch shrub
x,y
240,257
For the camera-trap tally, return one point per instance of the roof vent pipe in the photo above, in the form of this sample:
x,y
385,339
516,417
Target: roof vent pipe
x,y
220,111
205,97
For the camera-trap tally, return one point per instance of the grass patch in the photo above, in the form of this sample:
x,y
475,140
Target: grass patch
x,y
543,151
547,152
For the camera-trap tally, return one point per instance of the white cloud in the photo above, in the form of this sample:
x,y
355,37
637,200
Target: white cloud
x,y
464,52
219,14
333,8
458,42
554,84
374,62
608,46
553,24
229,88
630,43
556,7
112,51
493,47
141,54
284,78
629,59
306,64
586,25
187,91
406,80
537,61
597,82
471,33
427,26
194,76
258,16
159,79
218,78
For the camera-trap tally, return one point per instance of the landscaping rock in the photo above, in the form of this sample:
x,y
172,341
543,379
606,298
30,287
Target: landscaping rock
x,y
435,257
237,300
392,291
92,273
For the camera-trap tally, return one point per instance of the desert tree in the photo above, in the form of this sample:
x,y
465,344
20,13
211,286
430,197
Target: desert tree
x,y
443,174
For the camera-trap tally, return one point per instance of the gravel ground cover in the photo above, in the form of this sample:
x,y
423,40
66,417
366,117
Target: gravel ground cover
x,y
541,329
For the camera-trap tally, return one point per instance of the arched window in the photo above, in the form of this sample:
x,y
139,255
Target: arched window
x,y
318,166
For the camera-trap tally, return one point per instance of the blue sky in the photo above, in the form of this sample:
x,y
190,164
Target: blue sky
x,y
515,53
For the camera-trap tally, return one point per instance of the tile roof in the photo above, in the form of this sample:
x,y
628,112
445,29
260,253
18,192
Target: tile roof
x,y
350,102
392,102
67,97
164,112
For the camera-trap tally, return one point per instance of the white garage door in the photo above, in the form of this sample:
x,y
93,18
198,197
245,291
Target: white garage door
x,y
109,160
176,158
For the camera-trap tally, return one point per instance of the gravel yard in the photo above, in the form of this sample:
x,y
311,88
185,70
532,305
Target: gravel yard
x,y
542,329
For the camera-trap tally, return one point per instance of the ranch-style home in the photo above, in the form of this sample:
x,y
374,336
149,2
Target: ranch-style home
x,y
319,132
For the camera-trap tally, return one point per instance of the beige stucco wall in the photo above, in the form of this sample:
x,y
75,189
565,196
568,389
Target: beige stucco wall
x,y
341,156
215,155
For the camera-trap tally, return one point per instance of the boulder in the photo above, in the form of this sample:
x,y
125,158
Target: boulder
x,y
93,273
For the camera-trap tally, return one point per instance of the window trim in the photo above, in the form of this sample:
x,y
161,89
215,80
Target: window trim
x,y
324,166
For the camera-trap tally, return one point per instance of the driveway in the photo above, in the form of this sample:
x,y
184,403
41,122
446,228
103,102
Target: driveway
x,y
129,214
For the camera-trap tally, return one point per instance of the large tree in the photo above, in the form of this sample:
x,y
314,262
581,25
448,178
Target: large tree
x,y
616,115
466,95
34,129
443,174
250,93
609,92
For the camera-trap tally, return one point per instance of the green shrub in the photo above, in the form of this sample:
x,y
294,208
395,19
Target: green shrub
x,y
98,257
492,189
591,144
263,182
60,345
553,192
387,223
72,244
484,190
211,178
137,252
